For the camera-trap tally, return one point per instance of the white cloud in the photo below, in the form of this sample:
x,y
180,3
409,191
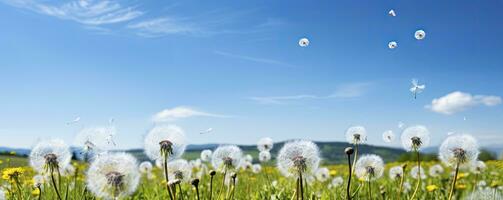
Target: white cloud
x,y
460,101
88,12
162,26
351,90
253,59
182,112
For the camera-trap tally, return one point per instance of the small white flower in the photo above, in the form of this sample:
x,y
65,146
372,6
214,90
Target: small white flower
x,y
436,170
356,135
113,176
414,138
396,172
299,156
459,149
256,168
265,144
49,154
226,157
322,174
369,167
264,156
206,155
415,171
169,140
388,136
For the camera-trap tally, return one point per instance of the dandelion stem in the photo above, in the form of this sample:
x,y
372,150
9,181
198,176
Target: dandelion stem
x,y
401,184
369,189
301,186
211,187
297,189
418,176
348,188
475,182
54,183
180,188
166,176
354,158
40,193
453,186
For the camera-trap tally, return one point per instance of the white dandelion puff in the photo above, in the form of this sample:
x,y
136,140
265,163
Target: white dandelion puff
x,y
248,158
414,138
265,144
226,157
297,157
304,42
245,165
419,34
145,167
478,167
337,181
179,170
396,172
322,174
369,167
406,186
196,163
356,135
206,155
459,150
38,181
436,170
482,183
417,171
416,88
113,176
256,168
392,45
264,156
49,156
388,136
165,142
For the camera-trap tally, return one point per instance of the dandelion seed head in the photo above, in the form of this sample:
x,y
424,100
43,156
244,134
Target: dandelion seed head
x,y
94,140
337,181
248,158
179,169
420,34
461,148
415,137
226,157
38,180
206,155
245,165
415,171
145,167
369,167
392,45
113,175
356,135
478,167
166,139
322,174
396,172
50,153
196,163
388,136
256,168
298,156
406,186
265,144
304,42
436,170
264,156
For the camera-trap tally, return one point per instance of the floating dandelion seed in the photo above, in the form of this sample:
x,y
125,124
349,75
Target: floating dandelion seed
x,y
303,42
298,157
209,130
392,13
264,156
50,156
388,136
416,88
415,137
165,142
265,144
206,155
322,174
459,150
76,120
419,34
256,168
226,158
113,176
417,171
436,170
392,45
179,170
356,135
396,172
478,167
369,167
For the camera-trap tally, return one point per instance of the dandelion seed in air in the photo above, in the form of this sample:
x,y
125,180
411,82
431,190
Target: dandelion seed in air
x,y
388,136
392,45
303,42
392,13
419,34
416,88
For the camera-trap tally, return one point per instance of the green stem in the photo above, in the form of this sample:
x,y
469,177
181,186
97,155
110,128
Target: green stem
x,y
54,184
166,177
211,187
453,186
348,188
418,184
301,186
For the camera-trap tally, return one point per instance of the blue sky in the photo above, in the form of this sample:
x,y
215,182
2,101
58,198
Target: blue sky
x,y
236,67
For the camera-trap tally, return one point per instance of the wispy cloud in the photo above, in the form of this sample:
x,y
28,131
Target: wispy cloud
x,y
351,90
253,59
459,101
163,26
87,12
182,112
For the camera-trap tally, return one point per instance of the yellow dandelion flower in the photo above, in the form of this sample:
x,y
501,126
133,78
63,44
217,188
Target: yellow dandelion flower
x,y
431,188
12,173
494,184
333,172
35,192
460,186
462,175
